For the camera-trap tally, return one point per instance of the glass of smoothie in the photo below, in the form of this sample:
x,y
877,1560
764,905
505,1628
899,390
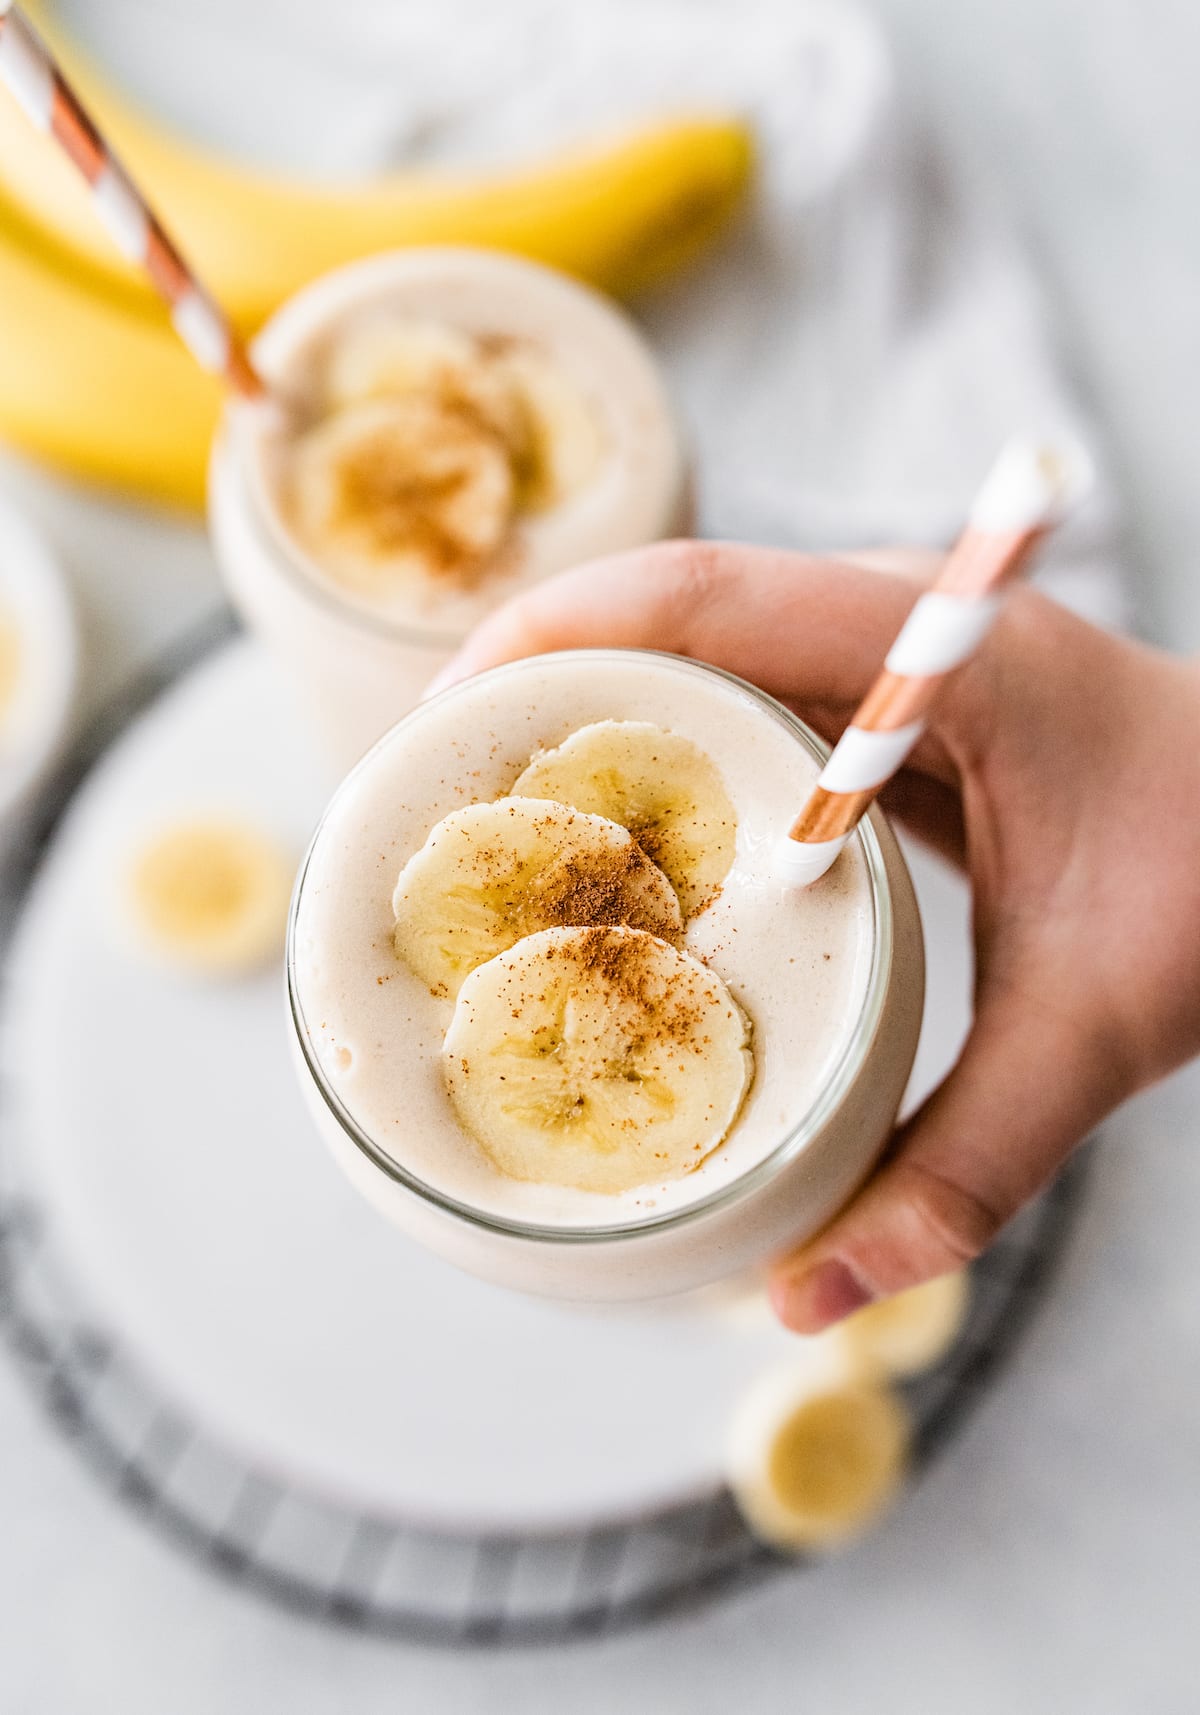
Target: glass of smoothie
x,y
553,1008
458,423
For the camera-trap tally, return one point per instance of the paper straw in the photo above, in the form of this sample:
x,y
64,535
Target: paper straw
x,y
1030,488
28,70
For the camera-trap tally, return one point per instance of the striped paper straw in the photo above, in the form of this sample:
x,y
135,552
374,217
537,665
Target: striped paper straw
x,y
1030,488
28,71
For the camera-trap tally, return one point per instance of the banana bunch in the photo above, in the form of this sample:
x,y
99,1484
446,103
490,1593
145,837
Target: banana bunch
x,y
89,377
587,1048
91,386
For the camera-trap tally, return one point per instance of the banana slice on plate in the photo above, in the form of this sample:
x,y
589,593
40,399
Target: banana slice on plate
x,y
595,1058
209,895
660,786
39,661
817,1452
12,664
911,1331
489,874
898,1336
394,492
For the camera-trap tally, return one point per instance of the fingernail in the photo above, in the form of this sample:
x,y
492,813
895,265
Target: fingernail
x,y
808,1302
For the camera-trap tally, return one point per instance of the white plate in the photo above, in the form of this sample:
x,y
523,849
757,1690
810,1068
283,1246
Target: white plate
x,y
34,599
183,1180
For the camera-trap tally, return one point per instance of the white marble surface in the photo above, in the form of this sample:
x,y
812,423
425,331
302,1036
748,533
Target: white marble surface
x,y
1050,1561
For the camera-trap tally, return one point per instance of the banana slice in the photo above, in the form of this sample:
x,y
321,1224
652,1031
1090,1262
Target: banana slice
x,y
408,356
564,444
817,1453
211,895
910,1332
660,786
395,354
396,491
489,874
599,1059
11,664
550,431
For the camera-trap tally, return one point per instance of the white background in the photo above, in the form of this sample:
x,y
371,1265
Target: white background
x,y
1050,1562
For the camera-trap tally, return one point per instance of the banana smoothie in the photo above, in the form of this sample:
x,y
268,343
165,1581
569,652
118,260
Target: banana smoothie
x,y
457,425
554,1011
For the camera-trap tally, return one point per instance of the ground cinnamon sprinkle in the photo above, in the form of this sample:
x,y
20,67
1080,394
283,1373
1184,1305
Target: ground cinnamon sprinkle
x,y
405,510
604,890
613,958
649,835
623,964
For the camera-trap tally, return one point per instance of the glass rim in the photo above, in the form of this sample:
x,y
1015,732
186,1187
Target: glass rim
x,y
829,1097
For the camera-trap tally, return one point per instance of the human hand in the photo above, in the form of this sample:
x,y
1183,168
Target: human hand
x,y
1060,771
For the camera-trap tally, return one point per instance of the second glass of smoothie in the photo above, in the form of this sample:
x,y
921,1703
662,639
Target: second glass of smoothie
x,y
458,424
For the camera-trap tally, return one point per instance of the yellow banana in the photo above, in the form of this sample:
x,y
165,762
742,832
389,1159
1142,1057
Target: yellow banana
x,y
621,214
92,385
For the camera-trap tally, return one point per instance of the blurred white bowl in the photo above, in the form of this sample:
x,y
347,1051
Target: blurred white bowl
x,y
36,607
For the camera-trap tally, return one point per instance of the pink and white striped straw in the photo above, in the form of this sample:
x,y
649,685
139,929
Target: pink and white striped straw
x,y
1030,488
29,72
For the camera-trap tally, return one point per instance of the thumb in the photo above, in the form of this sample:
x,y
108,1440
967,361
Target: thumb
x,y
1031,1083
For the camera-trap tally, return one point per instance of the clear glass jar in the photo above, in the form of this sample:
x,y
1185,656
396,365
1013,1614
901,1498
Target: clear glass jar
x,y
738,1216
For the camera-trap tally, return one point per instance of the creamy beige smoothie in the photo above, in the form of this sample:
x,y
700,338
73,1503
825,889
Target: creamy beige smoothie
x,y
817,992
458,425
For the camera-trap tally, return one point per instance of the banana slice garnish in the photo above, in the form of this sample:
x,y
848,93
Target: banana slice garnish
x,y
911,1331
489,874
407,357
430,443
598,1059
397,491
394,354
561,445
212,896
817,1453
659,785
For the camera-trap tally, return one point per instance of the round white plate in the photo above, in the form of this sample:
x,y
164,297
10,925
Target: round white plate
x,y
35,602
180,1176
